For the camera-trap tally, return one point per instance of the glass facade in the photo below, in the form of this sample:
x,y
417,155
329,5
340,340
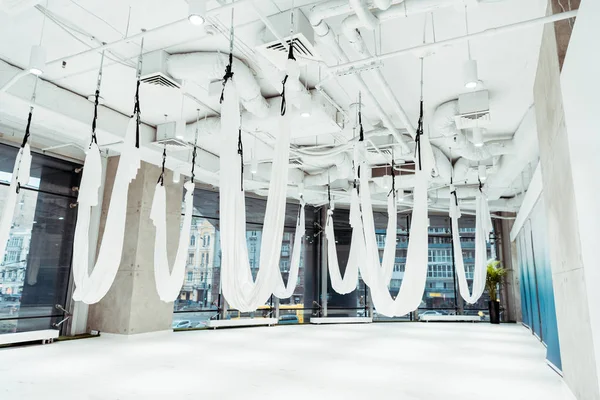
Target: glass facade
x,y
200,298
35,271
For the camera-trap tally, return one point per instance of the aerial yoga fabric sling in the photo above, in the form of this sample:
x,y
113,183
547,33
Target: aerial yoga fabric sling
x,y
238,287
91,288
349,282
20,177
413,284
283,291
169,282
483,227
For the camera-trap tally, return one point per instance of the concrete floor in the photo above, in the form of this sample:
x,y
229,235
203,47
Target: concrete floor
x,y
368,362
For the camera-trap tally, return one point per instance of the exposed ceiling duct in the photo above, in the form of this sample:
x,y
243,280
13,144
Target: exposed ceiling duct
x,y
204,67
443,125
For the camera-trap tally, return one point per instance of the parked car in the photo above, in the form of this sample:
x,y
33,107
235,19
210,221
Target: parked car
x,y
183,324
429,313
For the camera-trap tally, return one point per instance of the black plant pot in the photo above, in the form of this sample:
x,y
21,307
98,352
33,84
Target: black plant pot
x,y
494,308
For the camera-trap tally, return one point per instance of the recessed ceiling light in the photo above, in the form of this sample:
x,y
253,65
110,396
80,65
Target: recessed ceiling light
x,y
61,218
197,12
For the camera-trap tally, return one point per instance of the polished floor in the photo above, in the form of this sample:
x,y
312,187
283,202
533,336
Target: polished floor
x,y
369,362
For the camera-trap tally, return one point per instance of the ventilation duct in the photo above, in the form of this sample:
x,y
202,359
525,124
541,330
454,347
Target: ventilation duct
x,y
302,40
473,110
154,70
205,67
443,125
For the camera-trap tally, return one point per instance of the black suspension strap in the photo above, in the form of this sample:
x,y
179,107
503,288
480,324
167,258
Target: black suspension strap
x,y
419,132
453,193
136,108
393,191
161,178
195,151
480,185
361,131
97,100
228,69
241,153
290,57
27,134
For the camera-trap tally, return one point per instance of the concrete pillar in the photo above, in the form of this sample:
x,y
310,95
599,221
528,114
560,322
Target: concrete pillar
x,y
568,138
132,305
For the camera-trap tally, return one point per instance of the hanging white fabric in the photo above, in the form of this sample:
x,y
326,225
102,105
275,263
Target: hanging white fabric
x,y
349,282
91,288
283,291
483,227
169,281
413,284
238,287
20,177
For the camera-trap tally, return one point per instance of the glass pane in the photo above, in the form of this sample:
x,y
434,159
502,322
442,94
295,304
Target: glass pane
x,y
34,274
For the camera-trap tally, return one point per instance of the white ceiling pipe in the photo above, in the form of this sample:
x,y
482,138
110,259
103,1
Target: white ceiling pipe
x,y
200,67
295,175
328,9
363,14
350,27
328,38
383,4
444,125
341,170
510,166
432,47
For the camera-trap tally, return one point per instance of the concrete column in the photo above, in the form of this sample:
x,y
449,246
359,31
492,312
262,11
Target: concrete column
x,y
568,138
132,305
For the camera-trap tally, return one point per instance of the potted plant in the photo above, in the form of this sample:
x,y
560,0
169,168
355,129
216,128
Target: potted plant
x,y
495,276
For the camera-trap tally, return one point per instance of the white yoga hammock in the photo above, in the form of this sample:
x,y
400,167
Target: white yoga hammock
x,y
413,285
483,227
20,177
283,291
91,288
238,287
169,282
349,282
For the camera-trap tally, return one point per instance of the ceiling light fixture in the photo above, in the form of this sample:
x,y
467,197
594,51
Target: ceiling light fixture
x,y
197,12
478,137
37,60
176,177
254,165
305,107
470,74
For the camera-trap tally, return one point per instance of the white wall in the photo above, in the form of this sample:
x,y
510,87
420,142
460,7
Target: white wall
x,y
580,81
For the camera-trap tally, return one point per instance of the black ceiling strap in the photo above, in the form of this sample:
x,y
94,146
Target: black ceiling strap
x,y
241,153
161,178
228,75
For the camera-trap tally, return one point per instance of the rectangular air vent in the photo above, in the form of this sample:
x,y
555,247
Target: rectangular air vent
x,y
159,79
154,70
167,135
474,110
302,40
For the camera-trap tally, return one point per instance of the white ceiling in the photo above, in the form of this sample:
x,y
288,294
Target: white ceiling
x,y
507,62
